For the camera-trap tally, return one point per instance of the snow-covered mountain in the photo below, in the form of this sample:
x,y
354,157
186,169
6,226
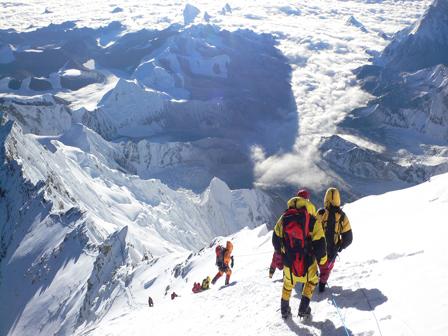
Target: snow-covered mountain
x,y
422,45
401,135
191,87
67,209
375,288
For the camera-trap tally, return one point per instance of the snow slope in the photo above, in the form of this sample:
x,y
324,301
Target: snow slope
x,y
390,281
74,226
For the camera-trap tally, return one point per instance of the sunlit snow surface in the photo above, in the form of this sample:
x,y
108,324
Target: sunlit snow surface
x,y
323,41
378,283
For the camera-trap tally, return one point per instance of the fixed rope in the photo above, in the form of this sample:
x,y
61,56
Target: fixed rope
x,y
371,308
338,310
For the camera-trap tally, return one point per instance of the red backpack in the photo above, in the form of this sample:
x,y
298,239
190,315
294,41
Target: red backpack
x,y
297,240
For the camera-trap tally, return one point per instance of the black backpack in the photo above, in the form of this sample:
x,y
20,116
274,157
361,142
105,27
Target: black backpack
x,y
220,251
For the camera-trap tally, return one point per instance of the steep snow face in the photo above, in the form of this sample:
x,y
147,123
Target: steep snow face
x,y
124,108
74,226
41,115
370,284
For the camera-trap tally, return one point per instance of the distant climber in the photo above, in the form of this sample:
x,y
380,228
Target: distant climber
x,y
196,287
174,295
298,236
150,301
277,259
205,283
338,232
224,261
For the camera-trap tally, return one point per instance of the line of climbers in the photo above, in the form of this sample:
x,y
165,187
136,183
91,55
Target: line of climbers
x,y
224,261
306,243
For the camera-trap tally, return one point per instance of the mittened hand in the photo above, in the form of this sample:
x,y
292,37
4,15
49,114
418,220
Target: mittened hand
x,y
278,260
231,261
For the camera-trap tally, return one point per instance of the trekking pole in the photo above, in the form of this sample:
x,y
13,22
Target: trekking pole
x,y
370,306
338,310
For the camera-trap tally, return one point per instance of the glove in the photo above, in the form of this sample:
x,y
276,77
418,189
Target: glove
x,y
231,262
278,260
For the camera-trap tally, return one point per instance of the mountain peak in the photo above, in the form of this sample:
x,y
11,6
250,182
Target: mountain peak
x,y
424,45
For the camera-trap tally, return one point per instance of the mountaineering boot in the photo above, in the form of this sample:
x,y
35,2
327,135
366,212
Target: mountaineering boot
x,y
322,287
285,309
304,308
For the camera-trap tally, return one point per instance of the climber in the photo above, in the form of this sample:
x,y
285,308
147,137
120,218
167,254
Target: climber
x,y
150,301
338,232
205,283
298,236
277,259
196,287
223,258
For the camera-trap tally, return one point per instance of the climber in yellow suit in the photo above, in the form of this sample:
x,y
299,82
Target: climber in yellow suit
x,y
300,239
338,232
